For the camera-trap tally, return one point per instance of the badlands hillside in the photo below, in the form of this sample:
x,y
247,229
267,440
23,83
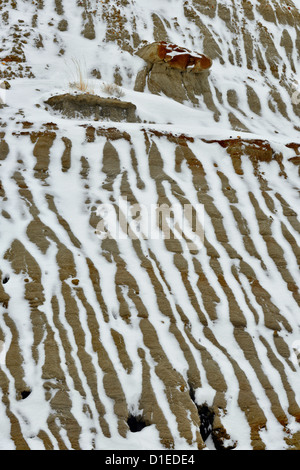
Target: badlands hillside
x,y
186,337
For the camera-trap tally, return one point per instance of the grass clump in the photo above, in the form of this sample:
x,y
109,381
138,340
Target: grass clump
x,y
112,89
79,80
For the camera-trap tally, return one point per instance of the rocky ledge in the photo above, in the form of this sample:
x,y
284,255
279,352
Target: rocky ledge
x,y
175,57
86,105
173,71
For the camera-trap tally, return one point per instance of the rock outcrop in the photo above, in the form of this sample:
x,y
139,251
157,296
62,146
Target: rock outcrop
x,y
174,71
85,105
175,57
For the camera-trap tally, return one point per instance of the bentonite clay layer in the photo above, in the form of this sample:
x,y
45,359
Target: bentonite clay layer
x,y
201,333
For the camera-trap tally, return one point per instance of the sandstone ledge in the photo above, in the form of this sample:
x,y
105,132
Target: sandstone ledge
x,y
87,106
175,57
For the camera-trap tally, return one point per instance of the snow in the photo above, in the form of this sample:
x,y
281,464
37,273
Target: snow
x,y
25,102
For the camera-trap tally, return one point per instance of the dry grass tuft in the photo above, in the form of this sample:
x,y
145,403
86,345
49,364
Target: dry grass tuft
x,y
79,81
112,89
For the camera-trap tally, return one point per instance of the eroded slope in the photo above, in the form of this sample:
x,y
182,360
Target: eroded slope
x,y
101,330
